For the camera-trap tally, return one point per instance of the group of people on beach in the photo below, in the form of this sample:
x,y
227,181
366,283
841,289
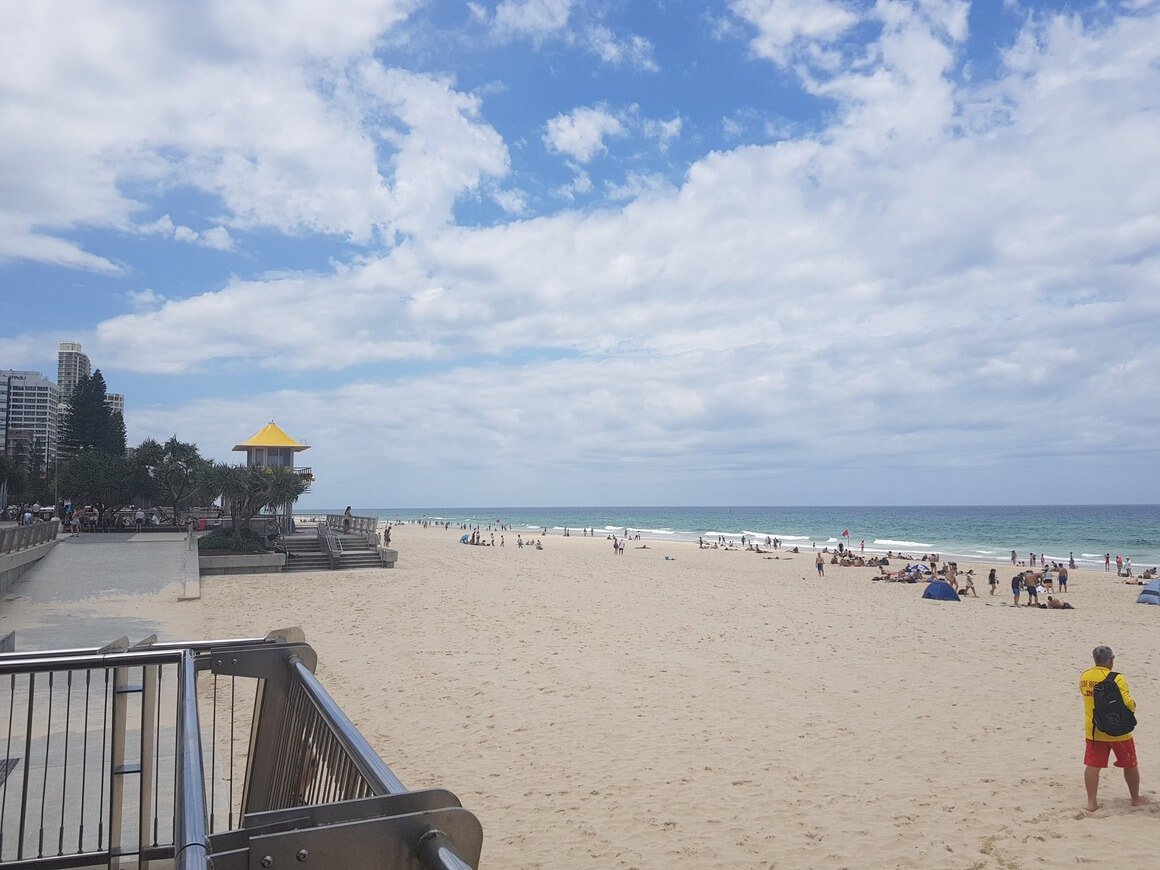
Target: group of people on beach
x,y
1036,583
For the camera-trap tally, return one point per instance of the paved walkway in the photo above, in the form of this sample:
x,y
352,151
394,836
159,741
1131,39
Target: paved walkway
x,y
95,588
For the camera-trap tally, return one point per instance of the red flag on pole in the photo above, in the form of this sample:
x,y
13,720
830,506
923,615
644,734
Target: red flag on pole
x,y
846,533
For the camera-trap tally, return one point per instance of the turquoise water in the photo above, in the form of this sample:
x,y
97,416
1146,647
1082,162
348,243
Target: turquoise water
x,y
971,532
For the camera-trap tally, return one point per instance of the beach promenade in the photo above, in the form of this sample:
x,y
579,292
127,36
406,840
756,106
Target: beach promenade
x,y
96,588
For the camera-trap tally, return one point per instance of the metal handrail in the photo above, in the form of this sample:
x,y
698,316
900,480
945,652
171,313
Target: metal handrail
x,y
434,848
330,543
356,524
191,829
370,765
304,753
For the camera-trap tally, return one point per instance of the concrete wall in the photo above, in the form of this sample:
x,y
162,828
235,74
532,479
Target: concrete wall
x,y
256,563
14,565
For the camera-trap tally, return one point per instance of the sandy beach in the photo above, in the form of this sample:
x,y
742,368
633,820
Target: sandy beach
x,y
722,709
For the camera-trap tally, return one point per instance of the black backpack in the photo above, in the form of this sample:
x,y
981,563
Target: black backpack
x,y
1110,714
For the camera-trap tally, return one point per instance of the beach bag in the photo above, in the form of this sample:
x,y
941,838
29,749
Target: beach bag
x,y
1110,714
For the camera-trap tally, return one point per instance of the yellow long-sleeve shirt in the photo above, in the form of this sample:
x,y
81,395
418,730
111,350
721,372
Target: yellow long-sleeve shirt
x,y
1087,683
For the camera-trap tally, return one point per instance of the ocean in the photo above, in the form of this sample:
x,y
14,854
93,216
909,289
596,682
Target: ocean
x,y
965,532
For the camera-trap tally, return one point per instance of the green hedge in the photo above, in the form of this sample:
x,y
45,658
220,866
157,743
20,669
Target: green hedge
x,y
224,539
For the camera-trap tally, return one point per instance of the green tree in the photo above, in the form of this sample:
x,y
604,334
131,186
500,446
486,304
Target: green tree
x,y
16,473
248,490
91,425
174,470
103,480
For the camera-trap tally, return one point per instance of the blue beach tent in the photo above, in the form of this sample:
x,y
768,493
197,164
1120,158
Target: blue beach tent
x,y
1151,594
940,590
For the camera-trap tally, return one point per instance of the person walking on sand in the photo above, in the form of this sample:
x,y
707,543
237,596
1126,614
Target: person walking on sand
x,y
821,565
1063,579
1099,744
993,579
1016,587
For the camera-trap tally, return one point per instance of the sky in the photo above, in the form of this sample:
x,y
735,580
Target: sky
x,y
603,252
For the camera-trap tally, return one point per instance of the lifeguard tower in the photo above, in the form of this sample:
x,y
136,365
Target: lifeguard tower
x,y
271,447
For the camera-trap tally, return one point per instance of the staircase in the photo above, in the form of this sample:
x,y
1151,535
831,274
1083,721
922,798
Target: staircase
x,y
358,553
305,553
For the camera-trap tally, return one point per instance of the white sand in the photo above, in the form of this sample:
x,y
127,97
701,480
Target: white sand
x,y
721,709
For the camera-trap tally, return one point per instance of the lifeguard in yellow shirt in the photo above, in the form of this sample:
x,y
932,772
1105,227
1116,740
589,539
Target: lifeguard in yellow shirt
x,y
1099,744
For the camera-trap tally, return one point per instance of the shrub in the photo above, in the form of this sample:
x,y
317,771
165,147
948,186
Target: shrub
x,y
225,540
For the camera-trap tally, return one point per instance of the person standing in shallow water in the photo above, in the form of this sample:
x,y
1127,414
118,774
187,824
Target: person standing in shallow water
x,y
1099,744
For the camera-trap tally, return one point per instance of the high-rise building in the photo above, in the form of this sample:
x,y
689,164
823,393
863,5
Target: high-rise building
x,y
71,366
116,402
30,413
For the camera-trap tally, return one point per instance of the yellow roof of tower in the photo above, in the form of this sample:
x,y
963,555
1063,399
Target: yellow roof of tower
x,y
271,435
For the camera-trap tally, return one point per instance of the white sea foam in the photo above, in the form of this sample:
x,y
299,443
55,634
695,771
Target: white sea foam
x,y
886,542
1092,555
632,530
777,535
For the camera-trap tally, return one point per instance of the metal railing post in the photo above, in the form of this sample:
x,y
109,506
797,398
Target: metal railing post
x,y
190,827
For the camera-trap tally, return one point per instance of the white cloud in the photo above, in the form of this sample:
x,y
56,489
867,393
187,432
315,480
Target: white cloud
x,y
217,238
532,18
636,185
905,288
145,300
273,108
580,133
663,131
784,24
634,50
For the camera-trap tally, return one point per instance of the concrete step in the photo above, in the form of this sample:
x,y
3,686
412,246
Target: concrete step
x,y
360,560
313,562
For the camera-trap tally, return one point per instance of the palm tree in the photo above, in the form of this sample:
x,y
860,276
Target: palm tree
x,y
248,489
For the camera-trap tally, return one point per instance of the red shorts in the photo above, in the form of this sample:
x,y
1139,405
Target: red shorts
x,y
1097,751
